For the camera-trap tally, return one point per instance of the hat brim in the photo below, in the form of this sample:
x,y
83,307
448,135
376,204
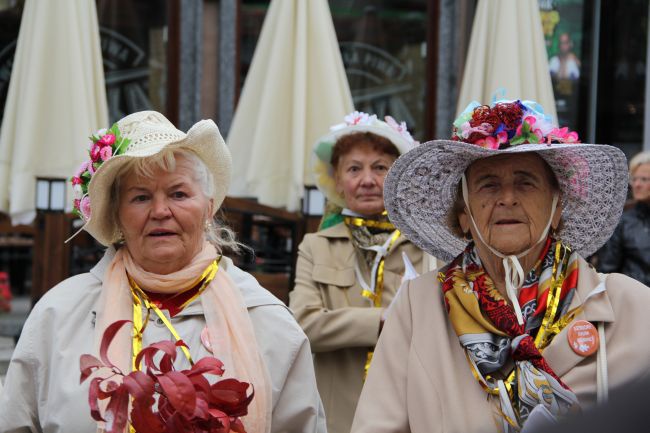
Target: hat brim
x,y
322,169
204,139
421,188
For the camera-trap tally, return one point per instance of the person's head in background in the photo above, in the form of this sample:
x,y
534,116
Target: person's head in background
x,y
640,177
361,161
565,43
352,159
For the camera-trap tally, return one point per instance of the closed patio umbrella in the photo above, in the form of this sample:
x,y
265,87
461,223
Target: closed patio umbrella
x,y
507,56
295,90
56,98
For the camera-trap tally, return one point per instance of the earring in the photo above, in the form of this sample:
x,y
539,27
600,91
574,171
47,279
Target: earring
x,y
555,234
120,237
207,226
467,236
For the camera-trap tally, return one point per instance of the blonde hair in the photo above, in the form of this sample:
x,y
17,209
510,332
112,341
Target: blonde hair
x,y
639,159
218,234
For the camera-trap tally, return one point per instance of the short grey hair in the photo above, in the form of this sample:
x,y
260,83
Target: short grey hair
x,y
218,234
639,159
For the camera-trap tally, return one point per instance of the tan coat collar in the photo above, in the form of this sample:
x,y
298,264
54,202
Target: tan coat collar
x,y
337,231
598,308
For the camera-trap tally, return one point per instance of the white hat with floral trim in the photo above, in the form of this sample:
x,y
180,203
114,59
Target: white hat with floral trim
x,y
322,168
140,135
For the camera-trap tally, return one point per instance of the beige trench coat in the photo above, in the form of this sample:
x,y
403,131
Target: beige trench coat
x,y
420,380
340,323
42,391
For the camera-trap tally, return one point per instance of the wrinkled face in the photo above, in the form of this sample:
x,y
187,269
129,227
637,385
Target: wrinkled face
x,y
163,217
510,197
640,182
360,177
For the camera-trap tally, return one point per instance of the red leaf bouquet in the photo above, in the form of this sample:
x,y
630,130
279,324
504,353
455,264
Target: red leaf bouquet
x,y
164,400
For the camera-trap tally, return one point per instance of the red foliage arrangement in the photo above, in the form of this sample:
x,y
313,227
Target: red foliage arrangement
x,y
185,401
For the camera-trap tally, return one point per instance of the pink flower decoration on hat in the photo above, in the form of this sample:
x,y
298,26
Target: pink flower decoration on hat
x,y
483,129
84,206
106,140
94,152
491,142
527,133
563,135
401,129
359,118
104,144
105,153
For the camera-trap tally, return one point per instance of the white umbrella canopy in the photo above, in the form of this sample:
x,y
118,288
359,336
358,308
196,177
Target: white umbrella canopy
x,y
56,98
295,90
507,51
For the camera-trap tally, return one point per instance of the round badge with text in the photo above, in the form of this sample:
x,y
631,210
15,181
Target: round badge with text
x,y
583,338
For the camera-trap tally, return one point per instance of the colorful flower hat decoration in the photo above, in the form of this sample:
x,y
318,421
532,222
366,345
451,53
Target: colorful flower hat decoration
x,y
422,185
104,144
508,123
357,121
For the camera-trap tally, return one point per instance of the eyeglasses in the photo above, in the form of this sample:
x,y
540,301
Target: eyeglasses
x,y
641,179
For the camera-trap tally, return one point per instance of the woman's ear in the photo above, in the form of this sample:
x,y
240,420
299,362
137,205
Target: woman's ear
x,y
337,182
210,208
463,221
557,216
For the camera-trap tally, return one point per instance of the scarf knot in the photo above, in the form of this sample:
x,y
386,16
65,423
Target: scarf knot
x,y
490,330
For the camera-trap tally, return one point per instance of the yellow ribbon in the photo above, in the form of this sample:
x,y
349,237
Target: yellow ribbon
x,y
376,297
140,298
362,222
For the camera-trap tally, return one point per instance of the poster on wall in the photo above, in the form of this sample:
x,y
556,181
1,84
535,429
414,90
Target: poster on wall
x,y
562,22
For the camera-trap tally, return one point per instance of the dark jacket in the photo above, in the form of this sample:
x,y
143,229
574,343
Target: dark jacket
x,y
628,250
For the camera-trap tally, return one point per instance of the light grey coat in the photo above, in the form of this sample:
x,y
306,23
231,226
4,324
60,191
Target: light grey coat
x,y
42,391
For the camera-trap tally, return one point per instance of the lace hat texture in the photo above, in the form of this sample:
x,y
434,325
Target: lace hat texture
x,y
422,185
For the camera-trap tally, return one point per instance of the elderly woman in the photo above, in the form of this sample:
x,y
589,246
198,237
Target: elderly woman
x,y
517,329
628,250
149,193
348,273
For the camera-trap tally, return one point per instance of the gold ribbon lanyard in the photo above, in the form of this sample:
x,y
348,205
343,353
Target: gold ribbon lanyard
x,y
140,298
548,329
374,290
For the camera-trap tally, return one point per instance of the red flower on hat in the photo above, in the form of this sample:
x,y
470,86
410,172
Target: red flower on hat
x,y
510,113
106,140
94,152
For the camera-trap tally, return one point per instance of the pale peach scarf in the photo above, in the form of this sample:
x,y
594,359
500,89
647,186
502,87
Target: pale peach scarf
x,y
230,328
